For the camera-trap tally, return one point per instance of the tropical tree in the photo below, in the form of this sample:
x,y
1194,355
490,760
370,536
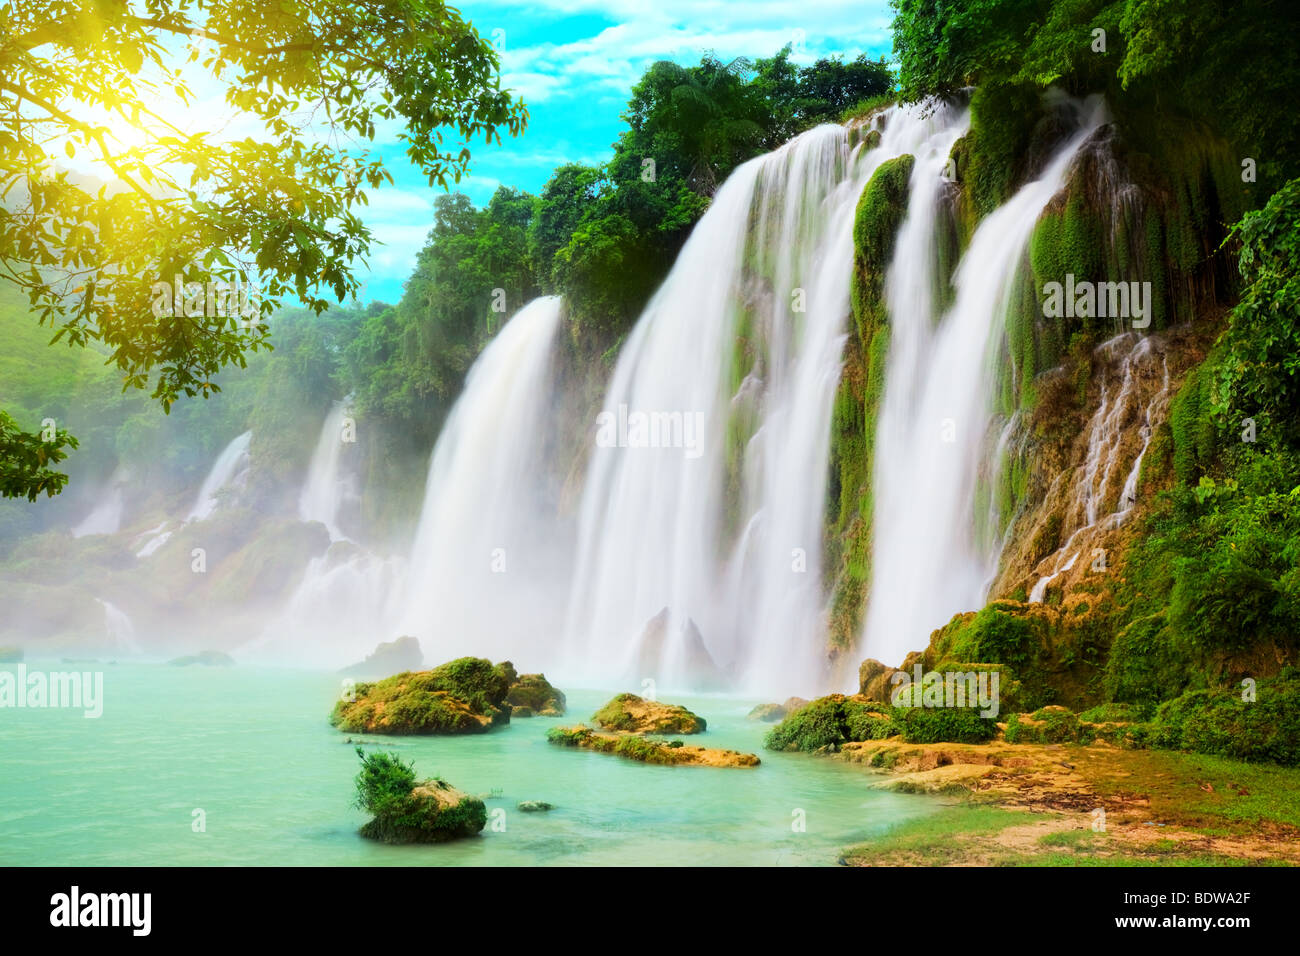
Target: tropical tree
x,y
144,261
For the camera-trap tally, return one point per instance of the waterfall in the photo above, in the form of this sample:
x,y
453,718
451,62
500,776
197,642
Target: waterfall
x,y
484,565
324,490
488,558
106,516
231,467
121,632
700,527
1120,411
933,431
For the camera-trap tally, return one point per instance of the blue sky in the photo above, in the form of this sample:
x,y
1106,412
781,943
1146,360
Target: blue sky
x,y
574,63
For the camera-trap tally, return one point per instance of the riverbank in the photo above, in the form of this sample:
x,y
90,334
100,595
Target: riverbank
x,y
1080,805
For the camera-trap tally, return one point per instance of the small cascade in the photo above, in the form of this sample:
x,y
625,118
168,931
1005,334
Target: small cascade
x,y
229,470
152,540
120,630
106,516
325,488
1110,459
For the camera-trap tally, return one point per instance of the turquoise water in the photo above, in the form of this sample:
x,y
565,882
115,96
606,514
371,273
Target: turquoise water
x,y
253,749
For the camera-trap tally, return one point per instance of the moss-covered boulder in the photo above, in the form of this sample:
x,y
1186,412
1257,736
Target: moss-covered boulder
x,y
767,713
405,811
467,695
648,749
533,695
628,713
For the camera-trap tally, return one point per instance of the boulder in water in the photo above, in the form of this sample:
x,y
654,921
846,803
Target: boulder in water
x,y
205,659
432,811
535,806
768,713
628,713
652,653
390,657
464,696
533,694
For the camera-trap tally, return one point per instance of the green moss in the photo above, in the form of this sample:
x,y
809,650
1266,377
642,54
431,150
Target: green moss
x,y
628,713
404,812
463,696
1221,722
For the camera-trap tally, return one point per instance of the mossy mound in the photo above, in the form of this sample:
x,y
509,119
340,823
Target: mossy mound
x,y
648,749
408,812
827,723
467,695
628,713
533,694
768,713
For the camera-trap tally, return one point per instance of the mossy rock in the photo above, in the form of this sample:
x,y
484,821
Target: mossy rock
x,y
628,713
466,695
767,713
651,750
433,812
533,694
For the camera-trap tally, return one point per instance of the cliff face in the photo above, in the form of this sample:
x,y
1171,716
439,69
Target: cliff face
x,y
1096,416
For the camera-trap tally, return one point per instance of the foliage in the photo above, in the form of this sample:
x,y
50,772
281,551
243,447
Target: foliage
x,y
186,210
1259,375
386,789
1229,65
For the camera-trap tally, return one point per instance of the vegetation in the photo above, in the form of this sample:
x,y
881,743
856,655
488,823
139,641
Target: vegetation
x,y
629,713
466,695
189,214
404,812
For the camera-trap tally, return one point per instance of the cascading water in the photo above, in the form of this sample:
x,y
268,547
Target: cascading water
x,y
1094,507
933,431
699,544
120,630
488,557
229,469
323,492
106,516
486,561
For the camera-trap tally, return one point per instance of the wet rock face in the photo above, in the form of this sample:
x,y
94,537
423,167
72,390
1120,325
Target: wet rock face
x,y
628,713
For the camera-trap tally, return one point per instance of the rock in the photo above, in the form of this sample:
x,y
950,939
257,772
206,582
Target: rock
x,y
205,658
698,664
467,695
440,813
648,749
768,713
520,710
10,655
875,681
535,806
628,713
794,703
533,693
390,657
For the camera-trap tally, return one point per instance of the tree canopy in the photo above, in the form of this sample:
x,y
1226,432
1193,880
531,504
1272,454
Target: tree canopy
x,y
145,264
